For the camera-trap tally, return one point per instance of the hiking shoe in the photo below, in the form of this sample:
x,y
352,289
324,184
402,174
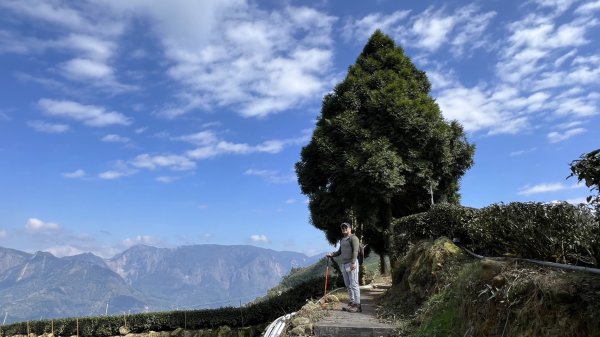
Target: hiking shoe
x,y
358,307
353,309
346,308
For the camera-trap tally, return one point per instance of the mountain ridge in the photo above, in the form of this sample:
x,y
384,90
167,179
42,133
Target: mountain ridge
x,y
141,278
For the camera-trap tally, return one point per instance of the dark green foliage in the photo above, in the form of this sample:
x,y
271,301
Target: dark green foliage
x,y
380,146
587,169
558,232
258,313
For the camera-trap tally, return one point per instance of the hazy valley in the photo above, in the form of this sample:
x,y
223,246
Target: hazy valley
x,y
142,278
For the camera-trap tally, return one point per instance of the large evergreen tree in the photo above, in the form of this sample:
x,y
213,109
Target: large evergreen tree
x,y
381,148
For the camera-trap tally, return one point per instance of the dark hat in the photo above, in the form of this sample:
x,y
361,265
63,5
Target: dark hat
x,y
345,224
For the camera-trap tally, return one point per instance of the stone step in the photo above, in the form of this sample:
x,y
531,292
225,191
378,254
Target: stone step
x,y
361,324
352,331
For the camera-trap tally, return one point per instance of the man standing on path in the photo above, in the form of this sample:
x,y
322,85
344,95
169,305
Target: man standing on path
x,y
349,245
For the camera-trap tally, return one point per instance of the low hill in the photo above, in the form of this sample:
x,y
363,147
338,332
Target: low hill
x,y
303,274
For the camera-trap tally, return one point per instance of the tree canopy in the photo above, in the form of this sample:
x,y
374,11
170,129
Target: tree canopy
x,y
381,148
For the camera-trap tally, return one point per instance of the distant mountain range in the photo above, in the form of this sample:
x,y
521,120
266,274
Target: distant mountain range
x,y
142,278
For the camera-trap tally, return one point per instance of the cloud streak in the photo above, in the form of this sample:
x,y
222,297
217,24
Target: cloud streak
x,y
75,174
546,188
89,115
46,127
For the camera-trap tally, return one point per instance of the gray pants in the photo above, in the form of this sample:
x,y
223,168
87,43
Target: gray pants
x,y
351,282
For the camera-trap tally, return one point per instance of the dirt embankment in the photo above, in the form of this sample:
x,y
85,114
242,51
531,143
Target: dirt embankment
x,y
440,291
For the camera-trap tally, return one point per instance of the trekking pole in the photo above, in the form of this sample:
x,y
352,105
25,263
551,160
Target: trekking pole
x,y
326,279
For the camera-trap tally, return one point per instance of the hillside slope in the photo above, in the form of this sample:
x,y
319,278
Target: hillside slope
x,y
440,291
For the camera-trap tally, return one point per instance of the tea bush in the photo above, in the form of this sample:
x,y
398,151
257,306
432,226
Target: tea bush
x,y
258,313
557,232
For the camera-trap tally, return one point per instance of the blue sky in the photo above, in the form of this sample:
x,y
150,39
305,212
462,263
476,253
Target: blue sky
x,y
179,122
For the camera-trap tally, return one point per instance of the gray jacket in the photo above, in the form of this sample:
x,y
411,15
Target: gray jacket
x,y
348,249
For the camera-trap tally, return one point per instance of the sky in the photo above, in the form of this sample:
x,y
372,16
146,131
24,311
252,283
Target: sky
x,y
179,122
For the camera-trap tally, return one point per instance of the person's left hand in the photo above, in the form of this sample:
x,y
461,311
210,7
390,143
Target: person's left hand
x,y
353,266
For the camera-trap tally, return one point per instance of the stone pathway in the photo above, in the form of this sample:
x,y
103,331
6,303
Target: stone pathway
x,y
361,324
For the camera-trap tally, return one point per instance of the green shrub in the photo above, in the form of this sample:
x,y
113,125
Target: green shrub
x,y
558,232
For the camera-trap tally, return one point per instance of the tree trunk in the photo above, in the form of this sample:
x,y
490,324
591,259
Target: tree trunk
x,y
388,238
383,267
361,274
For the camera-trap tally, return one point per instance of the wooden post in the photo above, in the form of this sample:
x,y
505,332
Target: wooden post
x,y
27,328
185,320
52,324
77,321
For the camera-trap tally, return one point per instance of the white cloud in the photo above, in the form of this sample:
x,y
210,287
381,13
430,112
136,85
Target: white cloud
x,y
272,176
555,137
3,233
87,69
272,60
166,179
49,11
112,138
471,29
359,30
65,250
75,174
558,5
42,126
93,47
223,147
588,8
262,173
210,145
290,201
90,40
140,240
259,238
199,138
522,152
89,115
477,109
546,187
37,226
570,125
464,29
172,161
117,173
431,29
542,188
539,37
